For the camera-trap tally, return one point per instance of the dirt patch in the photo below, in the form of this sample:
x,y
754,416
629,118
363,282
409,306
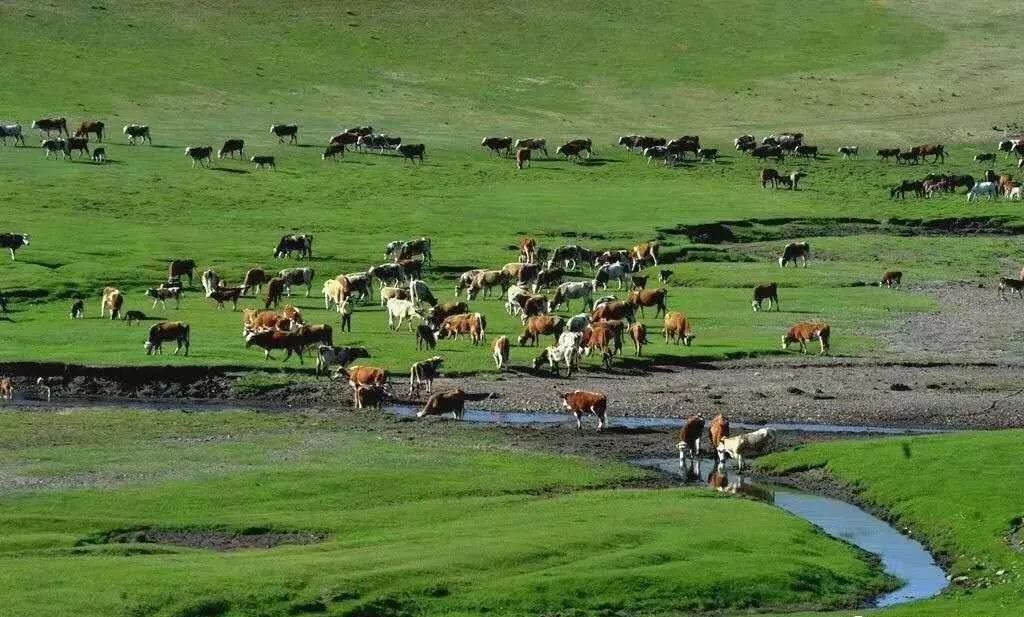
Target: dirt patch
x,y
212,540
1016,536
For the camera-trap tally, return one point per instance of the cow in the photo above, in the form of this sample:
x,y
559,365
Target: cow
x,y
13,242
571,151
527,250
558,355
328,355
570,256
369,396
401,250
886,153
210,280
81,144
444,310
805,332
532,144
541,325
708,154
275,290
938,151
613,310
891,278
99,155
649,297
53,146
163,294
849,151
7,389
989,189
767,151
907,186
985,157
645,251
425,337
575,290
255,278
807,151
411,152
580,402
758,442
794,251
181,267
719,430
401,310
452,401
369,378
689,439
301,277
137,131
678,148
332,151
230,147
473,324
486,280
769,292
176,331
225,294
342,140
291,131
295,243
910,157
263,161
1015,285
500,352
677,328
335,292
13,131
498,145
522,158
359,284
392,293
112,300
48,125
577,323
91,128
78,309
255,320
617,271
638,334
423,373
200,154
547,278
269,340
659,153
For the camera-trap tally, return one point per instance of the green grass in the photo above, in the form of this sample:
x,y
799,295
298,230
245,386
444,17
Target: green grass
x,y
956,491
457,527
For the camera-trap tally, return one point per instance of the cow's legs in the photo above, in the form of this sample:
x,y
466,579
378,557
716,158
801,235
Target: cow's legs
x,y
579,423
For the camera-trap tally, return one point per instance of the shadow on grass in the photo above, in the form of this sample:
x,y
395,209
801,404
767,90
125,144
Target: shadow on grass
x,y
231,170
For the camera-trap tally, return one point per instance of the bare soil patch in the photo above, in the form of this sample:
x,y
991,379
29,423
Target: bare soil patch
x,y
206,539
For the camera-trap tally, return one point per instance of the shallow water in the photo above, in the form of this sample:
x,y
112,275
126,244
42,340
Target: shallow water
x,y
901,556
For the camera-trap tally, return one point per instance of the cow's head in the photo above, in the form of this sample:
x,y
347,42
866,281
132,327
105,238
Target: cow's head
x,y
786,340
149,346
688,339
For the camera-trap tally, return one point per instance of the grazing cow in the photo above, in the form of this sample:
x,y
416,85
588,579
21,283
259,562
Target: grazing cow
x,y
527,250
938,151
487,280
805,332
130,316
13,131
533,306
176,331
442,311
985,157
547,278
76,143
649,297
255,278
500,352
719,430
807,151
613,310
911,157
7,389
332,151
758,442
335,292
91,128
555,356
522,158
397,250
269,340
638,334
577,290
580,402
291,131
769,292
498,145
989,189
577,323
907,186
401,310
137,131
48,125
201,154
295,243
539,325
425,337
617,271
364,377
302,277
163,294
264,161
570,256
328,355
99,155
275,290
769,175
1015,285
645,251
78,310
13,242
112,301
689,439
53,146
452,401
181,267
423,373
848,151
411,152
230,147
532,144
677,328
795,251
891,279
768,151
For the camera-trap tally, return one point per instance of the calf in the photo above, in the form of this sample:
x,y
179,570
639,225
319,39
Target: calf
x,y
757,442
522,158
769,292
423,373
501,352
130,316
333,151
99,155
365,377
689,439
719,430
891,278
76,143
328,355
580,402
225,294
53,146
804,332
176,331
677,328
264,161
230,147
452,401
7,389
708,154
78,310
163,294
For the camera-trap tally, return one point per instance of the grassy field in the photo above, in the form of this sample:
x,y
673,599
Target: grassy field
x,y
216,71
926,484
461,527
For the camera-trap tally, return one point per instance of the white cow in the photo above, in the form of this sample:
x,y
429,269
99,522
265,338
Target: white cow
x,y
401,310
606,273
577,290
511,306
211,281
989,189
757,442
334,294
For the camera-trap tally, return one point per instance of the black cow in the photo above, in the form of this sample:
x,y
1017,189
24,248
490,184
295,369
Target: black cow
x,y
291,131
412,151
301,243
13,242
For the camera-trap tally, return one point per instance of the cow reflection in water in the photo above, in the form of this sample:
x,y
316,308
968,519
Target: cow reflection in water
x,y
700,471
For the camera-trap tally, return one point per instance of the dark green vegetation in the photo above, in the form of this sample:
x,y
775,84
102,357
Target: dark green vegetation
x,y
413,526
954,491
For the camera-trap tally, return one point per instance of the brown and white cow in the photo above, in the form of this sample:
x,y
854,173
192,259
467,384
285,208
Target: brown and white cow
x,y
451,401
891,279
221,295
113,301
501,352
616,309
645,251
795,251
580,402
719,430
677,329
176,331
805,332
541,325
689,438
769,292
472,324
523,156
649,297
638,334
364,377
269,340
